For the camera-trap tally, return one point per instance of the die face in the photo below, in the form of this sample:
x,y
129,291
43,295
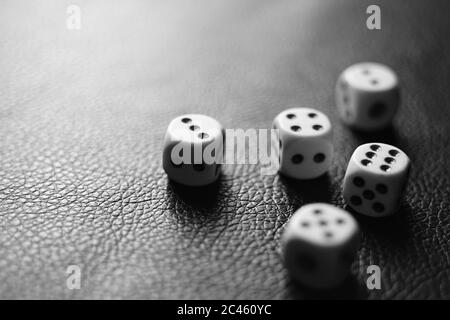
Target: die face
x,y
381,158
367,96
322,225
345,102
302,123
193,150
376,110
315,269
191,174
305,159
306,146
375,179
371,77
369,195
195,128
319,244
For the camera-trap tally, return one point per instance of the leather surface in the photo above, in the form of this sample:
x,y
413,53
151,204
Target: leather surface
x,y
83,114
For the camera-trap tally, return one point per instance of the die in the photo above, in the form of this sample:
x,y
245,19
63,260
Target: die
x,y
305,142
319,244
375,179
193,149
367,96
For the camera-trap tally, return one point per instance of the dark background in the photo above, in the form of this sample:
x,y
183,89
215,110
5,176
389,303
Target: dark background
x,y
83,114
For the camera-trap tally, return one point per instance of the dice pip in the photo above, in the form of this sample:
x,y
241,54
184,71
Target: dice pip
x,y
367,96
375,179
319,244
193,149
305,142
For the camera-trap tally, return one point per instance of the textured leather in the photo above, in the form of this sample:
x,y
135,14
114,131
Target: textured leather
x,y
83,114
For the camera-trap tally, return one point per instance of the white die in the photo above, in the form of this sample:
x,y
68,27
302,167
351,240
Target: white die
x,y
319,245
367,96
193,149
305,142
375,179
